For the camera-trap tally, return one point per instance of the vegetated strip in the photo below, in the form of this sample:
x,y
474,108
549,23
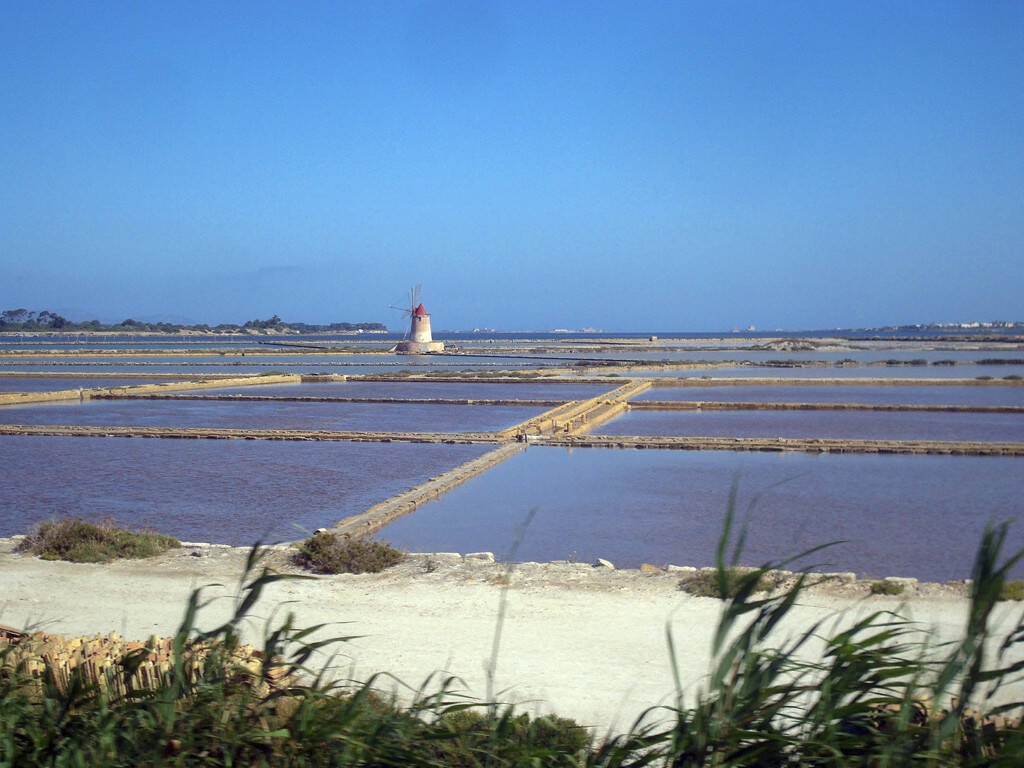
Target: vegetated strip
x,y
705,405
204,433
310,399
379,515
779,444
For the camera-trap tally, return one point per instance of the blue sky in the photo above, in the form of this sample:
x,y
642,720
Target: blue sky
x,y
626,166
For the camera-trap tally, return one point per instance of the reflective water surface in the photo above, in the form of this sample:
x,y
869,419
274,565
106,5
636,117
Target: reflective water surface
x,y
55,383
203,368
379,417
916,516
425,389
949,394
223,491
852,372
878,425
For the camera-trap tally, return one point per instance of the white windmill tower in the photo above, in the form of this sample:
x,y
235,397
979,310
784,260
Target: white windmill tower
x,y
417,339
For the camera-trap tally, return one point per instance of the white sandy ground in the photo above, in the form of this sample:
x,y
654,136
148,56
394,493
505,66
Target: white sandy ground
x,y
581,642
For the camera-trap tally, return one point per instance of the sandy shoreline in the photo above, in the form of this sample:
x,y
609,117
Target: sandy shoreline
x,y
585,642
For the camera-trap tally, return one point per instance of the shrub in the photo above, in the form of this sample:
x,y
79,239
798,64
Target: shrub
x,y
75,540
886,588
1012,590
328,553
707,583
1012,377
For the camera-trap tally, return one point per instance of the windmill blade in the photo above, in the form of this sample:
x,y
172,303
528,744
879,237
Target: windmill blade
x,y
414,295
407,313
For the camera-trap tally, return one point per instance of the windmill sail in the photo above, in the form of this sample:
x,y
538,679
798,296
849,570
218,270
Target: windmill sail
x,y
417,338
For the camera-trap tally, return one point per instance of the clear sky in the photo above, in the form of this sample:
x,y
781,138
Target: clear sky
x,y
627,166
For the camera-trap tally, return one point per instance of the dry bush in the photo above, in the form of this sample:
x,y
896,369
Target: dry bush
x,y
73,539
328,553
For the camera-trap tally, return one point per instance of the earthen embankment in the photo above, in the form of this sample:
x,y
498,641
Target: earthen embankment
x,y
736,381
290,399
578,415
121,391
779,444
28,398
705,405
177,386
220,433
379,515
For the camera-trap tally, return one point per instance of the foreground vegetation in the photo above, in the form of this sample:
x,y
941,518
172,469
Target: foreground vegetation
x,y
75,540
877,694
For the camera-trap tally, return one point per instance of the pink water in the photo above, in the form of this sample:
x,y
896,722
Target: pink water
x,y
866,425
916,516
380,417
227,491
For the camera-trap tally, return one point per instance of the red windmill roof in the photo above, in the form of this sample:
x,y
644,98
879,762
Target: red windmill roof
x,y
419,310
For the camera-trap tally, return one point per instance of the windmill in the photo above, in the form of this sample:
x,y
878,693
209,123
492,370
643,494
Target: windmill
x,y
414,299
417,339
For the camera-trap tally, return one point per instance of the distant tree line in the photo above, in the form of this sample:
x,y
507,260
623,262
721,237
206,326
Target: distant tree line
x,y
24,319
27,320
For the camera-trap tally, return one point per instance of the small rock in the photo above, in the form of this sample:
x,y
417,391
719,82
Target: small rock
x,y
680,569
196,553
483,557
903,581
602,563
648,568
